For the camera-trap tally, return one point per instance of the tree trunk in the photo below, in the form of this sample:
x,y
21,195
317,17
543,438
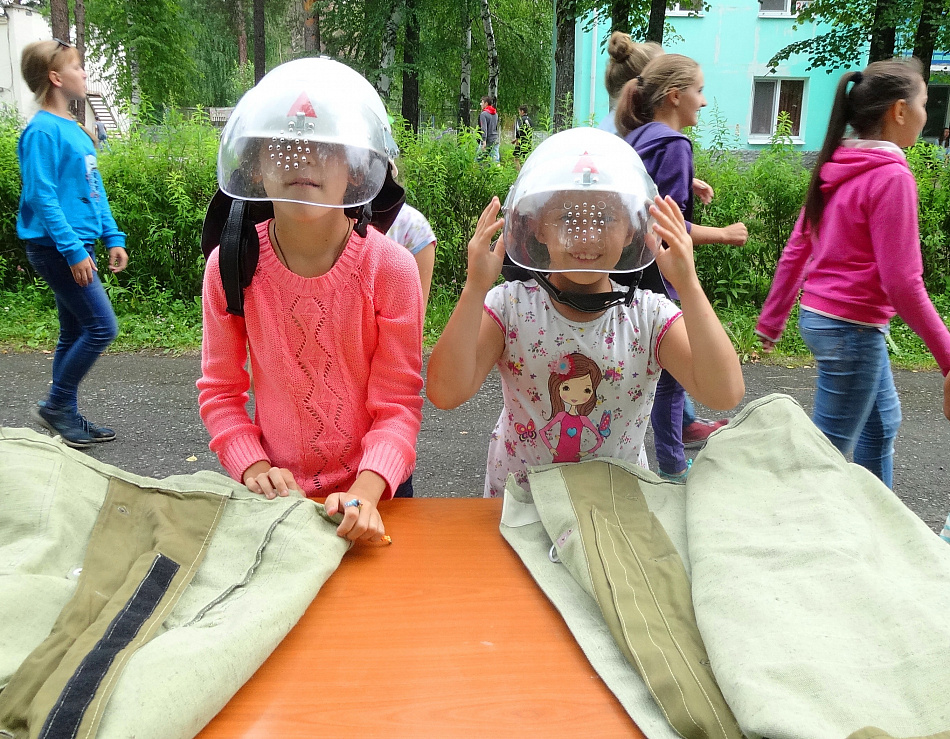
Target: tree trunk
x,y
410,75
563,113
240,29
295,20
465,84
388,57
79,13
926,36
311,27
620,16
657,19
59,19
259,51
883,31
492,51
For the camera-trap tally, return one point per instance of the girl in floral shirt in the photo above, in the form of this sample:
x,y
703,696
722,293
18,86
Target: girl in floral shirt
x,y
579,358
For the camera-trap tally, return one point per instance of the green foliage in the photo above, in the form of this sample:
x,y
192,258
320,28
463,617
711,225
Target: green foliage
x,y
159,181
150,45
932,172
12,256
445,182
767,196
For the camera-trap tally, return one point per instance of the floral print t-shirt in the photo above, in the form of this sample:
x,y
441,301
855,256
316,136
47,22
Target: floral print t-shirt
x,y
572,390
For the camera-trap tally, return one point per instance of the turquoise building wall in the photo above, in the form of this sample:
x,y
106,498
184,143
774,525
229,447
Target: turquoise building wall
x,y
732,43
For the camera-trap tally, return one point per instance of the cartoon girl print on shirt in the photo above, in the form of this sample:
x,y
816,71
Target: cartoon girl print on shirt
x,y
573,389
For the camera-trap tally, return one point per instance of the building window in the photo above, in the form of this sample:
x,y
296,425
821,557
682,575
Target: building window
x,y
686,7
781,7
771,97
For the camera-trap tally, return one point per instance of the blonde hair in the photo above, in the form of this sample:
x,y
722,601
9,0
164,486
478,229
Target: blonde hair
x,y
627,60
642,96
39,59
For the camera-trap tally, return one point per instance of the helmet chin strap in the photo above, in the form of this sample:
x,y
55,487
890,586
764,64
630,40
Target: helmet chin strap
x,y
588,302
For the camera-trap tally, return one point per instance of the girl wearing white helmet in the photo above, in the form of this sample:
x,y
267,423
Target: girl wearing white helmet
x,y
579,358
332,321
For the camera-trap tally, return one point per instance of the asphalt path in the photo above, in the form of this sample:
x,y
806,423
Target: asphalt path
x,y
151,402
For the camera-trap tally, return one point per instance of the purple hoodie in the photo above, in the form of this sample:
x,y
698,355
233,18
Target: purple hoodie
x,y
667,155
865,264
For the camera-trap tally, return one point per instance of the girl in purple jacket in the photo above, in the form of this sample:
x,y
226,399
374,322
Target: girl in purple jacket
x,y
654,109
855,257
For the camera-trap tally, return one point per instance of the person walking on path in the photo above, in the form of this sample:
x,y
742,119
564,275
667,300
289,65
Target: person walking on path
x,y
101,134
488,130
63,212
523,134
859,240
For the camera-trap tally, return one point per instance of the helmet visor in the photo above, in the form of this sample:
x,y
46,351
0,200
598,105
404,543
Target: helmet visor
x,y
577,231
317,138
581,204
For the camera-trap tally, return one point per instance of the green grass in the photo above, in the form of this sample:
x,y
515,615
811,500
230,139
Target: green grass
x,y
155,322
28,322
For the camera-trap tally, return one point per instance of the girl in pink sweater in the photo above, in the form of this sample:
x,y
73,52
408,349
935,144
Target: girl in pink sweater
x,y
333,316
855,257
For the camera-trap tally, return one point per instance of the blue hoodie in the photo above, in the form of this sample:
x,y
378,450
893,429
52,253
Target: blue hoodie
x,y
63,202
667,155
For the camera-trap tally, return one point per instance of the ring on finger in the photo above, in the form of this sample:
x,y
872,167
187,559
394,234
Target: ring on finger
x,y
355,503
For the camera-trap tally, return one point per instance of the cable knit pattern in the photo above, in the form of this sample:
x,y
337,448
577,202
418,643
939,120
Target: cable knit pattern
x,y
336,361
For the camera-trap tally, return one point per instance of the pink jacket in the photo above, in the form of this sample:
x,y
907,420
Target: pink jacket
x,y
865,265
336,361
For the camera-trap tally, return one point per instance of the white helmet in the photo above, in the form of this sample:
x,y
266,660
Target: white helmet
x,y
581,203
311,131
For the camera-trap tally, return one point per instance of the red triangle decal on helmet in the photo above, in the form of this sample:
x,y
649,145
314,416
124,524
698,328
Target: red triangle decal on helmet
x,y
302,105
585,162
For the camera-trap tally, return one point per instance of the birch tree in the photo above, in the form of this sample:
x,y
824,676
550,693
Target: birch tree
x,y
388,57
465,76
492,49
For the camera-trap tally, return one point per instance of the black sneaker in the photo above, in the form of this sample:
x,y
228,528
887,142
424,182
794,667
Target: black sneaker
x,y
66,424
96,433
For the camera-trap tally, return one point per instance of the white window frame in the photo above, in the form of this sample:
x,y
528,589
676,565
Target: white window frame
x,y
761,138
791,9
674,10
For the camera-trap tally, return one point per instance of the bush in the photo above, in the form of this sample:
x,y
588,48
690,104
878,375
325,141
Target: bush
x,y
160,178
767,196
445,182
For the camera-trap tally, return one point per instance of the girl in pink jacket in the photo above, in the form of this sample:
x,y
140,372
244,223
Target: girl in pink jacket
x,y
855,257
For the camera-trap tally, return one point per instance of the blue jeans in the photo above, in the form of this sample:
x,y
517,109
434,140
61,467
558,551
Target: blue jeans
x,y
689,412
856,403
87,323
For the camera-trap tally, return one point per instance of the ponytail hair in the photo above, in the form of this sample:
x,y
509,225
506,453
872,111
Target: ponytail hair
x,y
642,96
39,59
627,60
862,107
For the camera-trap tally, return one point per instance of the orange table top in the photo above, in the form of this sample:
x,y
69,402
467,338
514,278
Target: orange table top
x,y
442,634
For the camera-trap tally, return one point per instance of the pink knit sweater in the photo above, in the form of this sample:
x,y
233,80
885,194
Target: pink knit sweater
x,y
336,360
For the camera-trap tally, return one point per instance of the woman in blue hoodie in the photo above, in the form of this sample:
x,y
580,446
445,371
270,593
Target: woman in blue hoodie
x,y
63,212
654,109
